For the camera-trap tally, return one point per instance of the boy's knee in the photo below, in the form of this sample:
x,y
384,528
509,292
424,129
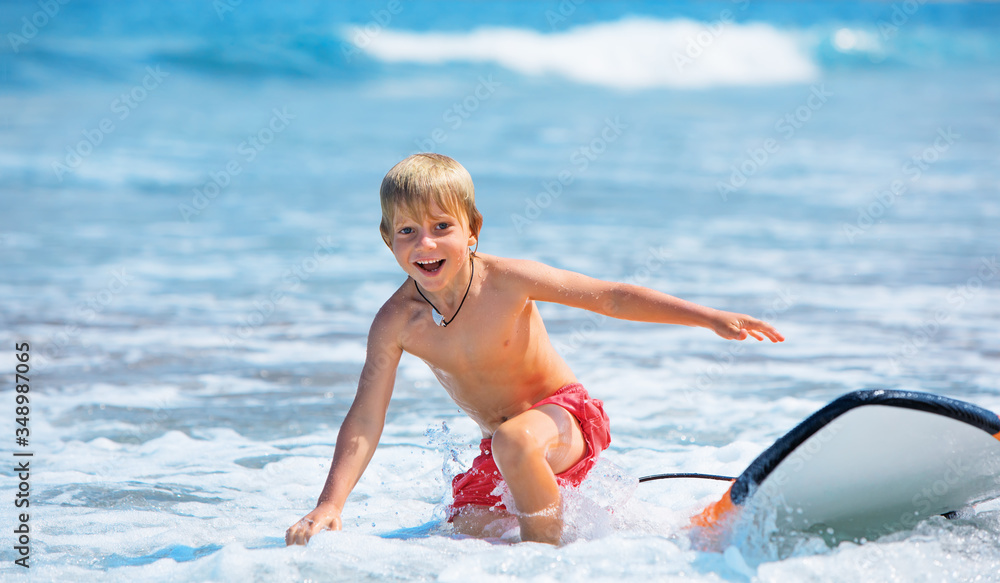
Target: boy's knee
x,y
514,444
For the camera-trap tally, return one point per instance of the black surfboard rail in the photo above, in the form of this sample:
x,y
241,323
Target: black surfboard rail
x,y
761,467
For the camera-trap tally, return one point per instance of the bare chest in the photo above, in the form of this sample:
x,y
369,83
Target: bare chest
x,y
479,340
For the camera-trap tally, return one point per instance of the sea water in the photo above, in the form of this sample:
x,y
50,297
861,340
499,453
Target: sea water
x,y
190,249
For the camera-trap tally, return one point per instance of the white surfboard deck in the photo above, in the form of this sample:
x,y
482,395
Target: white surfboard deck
x,y
870,463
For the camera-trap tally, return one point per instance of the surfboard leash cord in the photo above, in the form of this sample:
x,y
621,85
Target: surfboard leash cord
x,y
686,475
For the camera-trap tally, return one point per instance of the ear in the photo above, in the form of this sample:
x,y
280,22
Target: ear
x,y
473,241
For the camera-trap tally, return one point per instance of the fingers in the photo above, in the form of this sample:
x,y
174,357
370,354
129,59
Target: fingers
x,y
735,326
299,533
758,327
743,326
772,334
305,529
294,536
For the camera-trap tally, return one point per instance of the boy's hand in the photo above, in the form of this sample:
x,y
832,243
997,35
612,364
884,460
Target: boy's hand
x,y
734,326
321,518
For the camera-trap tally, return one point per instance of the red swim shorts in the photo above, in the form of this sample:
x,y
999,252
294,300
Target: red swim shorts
x,y
476,486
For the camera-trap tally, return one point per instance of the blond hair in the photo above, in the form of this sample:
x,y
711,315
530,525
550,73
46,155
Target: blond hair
x,y
413,184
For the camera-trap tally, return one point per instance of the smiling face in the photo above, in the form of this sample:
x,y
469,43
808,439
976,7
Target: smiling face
x,y
432,249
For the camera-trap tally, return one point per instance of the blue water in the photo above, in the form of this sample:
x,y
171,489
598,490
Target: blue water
x,y
190,246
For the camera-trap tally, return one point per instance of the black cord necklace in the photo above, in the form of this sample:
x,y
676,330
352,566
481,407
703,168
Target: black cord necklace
x,y
436,314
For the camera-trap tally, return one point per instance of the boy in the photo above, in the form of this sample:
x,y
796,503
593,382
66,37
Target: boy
x,y
472,318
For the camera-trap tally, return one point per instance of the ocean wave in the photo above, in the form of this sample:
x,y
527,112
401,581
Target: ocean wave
x,y
630,53
633,53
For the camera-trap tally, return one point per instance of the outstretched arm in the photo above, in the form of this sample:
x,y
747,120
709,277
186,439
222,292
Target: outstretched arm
x,y
358,437
633,302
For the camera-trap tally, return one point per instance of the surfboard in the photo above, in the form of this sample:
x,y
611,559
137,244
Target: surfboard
x,y
870,463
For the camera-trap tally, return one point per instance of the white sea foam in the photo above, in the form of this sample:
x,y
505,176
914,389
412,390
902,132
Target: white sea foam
x,y
632,53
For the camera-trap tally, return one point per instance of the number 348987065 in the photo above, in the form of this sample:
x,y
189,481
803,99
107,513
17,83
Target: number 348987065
x,y
22,389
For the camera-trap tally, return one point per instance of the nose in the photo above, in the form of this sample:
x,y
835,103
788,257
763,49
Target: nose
x,y
426,241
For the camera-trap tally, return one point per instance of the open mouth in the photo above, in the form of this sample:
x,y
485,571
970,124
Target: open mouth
x,y
430,266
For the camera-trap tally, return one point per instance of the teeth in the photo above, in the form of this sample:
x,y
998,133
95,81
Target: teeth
x,y
428,261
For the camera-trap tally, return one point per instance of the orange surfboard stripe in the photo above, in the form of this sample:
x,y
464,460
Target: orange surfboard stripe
x,y
997,434
714,513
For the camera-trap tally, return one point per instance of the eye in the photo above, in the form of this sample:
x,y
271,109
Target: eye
x,y
443,226
405,231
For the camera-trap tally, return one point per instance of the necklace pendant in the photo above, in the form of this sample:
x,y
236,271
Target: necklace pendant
x,y
438,318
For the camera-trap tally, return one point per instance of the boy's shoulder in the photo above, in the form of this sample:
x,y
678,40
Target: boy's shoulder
x,y
509,267
392,318
400,303
522,276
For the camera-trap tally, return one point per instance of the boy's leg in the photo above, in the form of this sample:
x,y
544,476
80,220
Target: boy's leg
x,y
479,521
530,450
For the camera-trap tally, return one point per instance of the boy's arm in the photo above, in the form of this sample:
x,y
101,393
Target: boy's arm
x,y
632,302
359,434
